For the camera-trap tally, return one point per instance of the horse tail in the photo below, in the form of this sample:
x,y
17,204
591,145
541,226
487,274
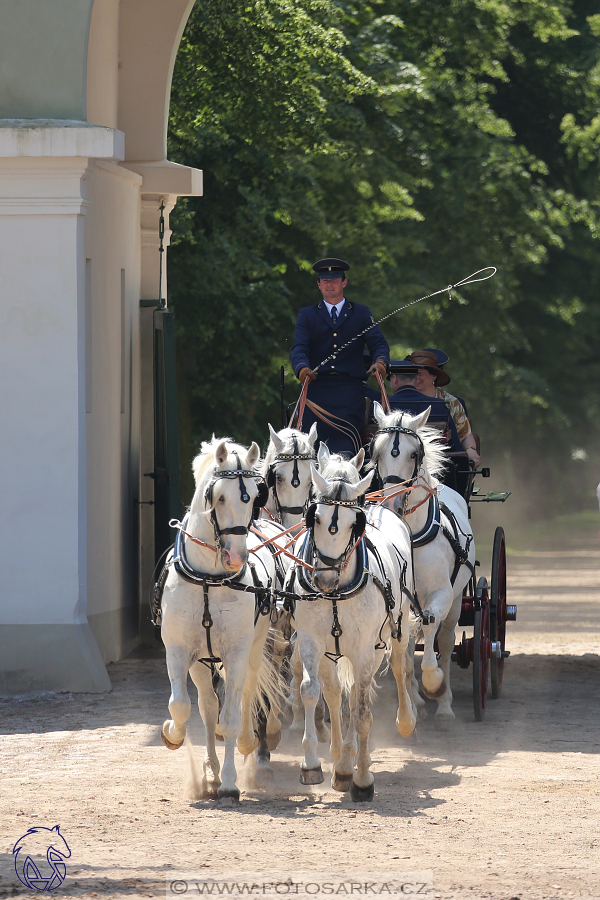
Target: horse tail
x,y
271,687
345,674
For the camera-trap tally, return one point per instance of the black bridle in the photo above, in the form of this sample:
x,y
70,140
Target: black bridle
x,y
336,564
272,479
244,496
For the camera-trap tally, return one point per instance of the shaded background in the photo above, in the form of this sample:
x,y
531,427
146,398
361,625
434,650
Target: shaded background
x,y
420,140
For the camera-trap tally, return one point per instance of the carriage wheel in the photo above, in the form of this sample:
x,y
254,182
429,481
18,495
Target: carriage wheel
x,y
498,608
481,651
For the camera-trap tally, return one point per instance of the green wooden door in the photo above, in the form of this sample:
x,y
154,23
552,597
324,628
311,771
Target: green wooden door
x,y
167,501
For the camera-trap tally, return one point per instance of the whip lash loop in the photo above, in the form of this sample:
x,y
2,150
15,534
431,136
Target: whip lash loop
x,y
470,279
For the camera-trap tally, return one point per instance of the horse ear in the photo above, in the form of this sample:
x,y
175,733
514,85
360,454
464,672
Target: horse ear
x,y
275,439
312,434
321,484
323,455
221,453
379,413
253,455
420,420
361,486
358,460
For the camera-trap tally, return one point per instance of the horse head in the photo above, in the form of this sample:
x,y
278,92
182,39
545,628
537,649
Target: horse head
x,y
286,470
404,450
226,490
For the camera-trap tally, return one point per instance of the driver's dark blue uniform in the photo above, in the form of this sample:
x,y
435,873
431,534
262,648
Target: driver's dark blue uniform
x,y
337,394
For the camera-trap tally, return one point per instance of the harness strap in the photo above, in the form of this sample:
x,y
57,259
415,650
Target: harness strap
x,y
347,428
207,624
461,554
336,633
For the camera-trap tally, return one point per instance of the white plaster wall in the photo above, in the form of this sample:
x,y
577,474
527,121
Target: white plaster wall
x,y
42,552
113,433
103,64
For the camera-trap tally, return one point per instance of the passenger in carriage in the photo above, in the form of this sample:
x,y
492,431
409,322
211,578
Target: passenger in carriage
x,y
431,380
404,384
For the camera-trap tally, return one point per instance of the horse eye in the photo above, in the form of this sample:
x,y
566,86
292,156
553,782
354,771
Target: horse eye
x,y
280,479
413,455
221,499
317,520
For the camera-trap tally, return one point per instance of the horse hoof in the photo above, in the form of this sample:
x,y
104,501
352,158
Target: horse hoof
x,y
247,747
169,744
443,722
362,794
210,791
421,713
340,783
273,740
228,797
312,776
406,729
435,695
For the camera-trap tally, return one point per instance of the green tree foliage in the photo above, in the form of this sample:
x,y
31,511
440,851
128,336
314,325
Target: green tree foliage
x,y
420,140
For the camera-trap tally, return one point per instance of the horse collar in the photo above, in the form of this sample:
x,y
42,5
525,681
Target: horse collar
x,y
195,576
357,583
432,525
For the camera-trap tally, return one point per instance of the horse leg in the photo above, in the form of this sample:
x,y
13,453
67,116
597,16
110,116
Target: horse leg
x,y
341,779
432,676
444,716
406,718
363,780
280,647
208,705
297,723
332,692
173,731
264,772
231,720
418,702
310,691
247,740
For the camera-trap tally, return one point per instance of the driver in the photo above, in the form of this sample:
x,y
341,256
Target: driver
x,y
335,398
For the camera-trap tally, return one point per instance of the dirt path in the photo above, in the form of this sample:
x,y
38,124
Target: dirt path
x,y
508,808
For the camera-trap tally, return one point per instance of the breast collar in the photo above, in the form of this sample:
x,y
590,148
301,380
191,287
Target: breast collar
x,y
432,525
194,576
356,585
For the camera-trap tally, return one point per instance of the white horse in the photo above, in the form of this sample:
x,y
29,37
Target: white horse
x,y
408,454
347,590
213,597
286,470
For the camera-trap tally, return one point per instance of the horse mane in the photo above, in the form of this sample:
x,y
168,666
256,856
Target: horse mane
x,y
287,435
435,452
337,468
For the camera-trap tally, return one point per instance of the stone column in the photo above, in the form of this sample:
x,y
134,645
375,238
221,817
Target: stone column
x,y
45,639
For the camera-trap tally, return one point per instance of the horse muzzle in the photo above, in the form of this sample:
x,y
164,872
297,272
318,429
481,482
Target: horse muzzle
x,y
326,581
232,560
